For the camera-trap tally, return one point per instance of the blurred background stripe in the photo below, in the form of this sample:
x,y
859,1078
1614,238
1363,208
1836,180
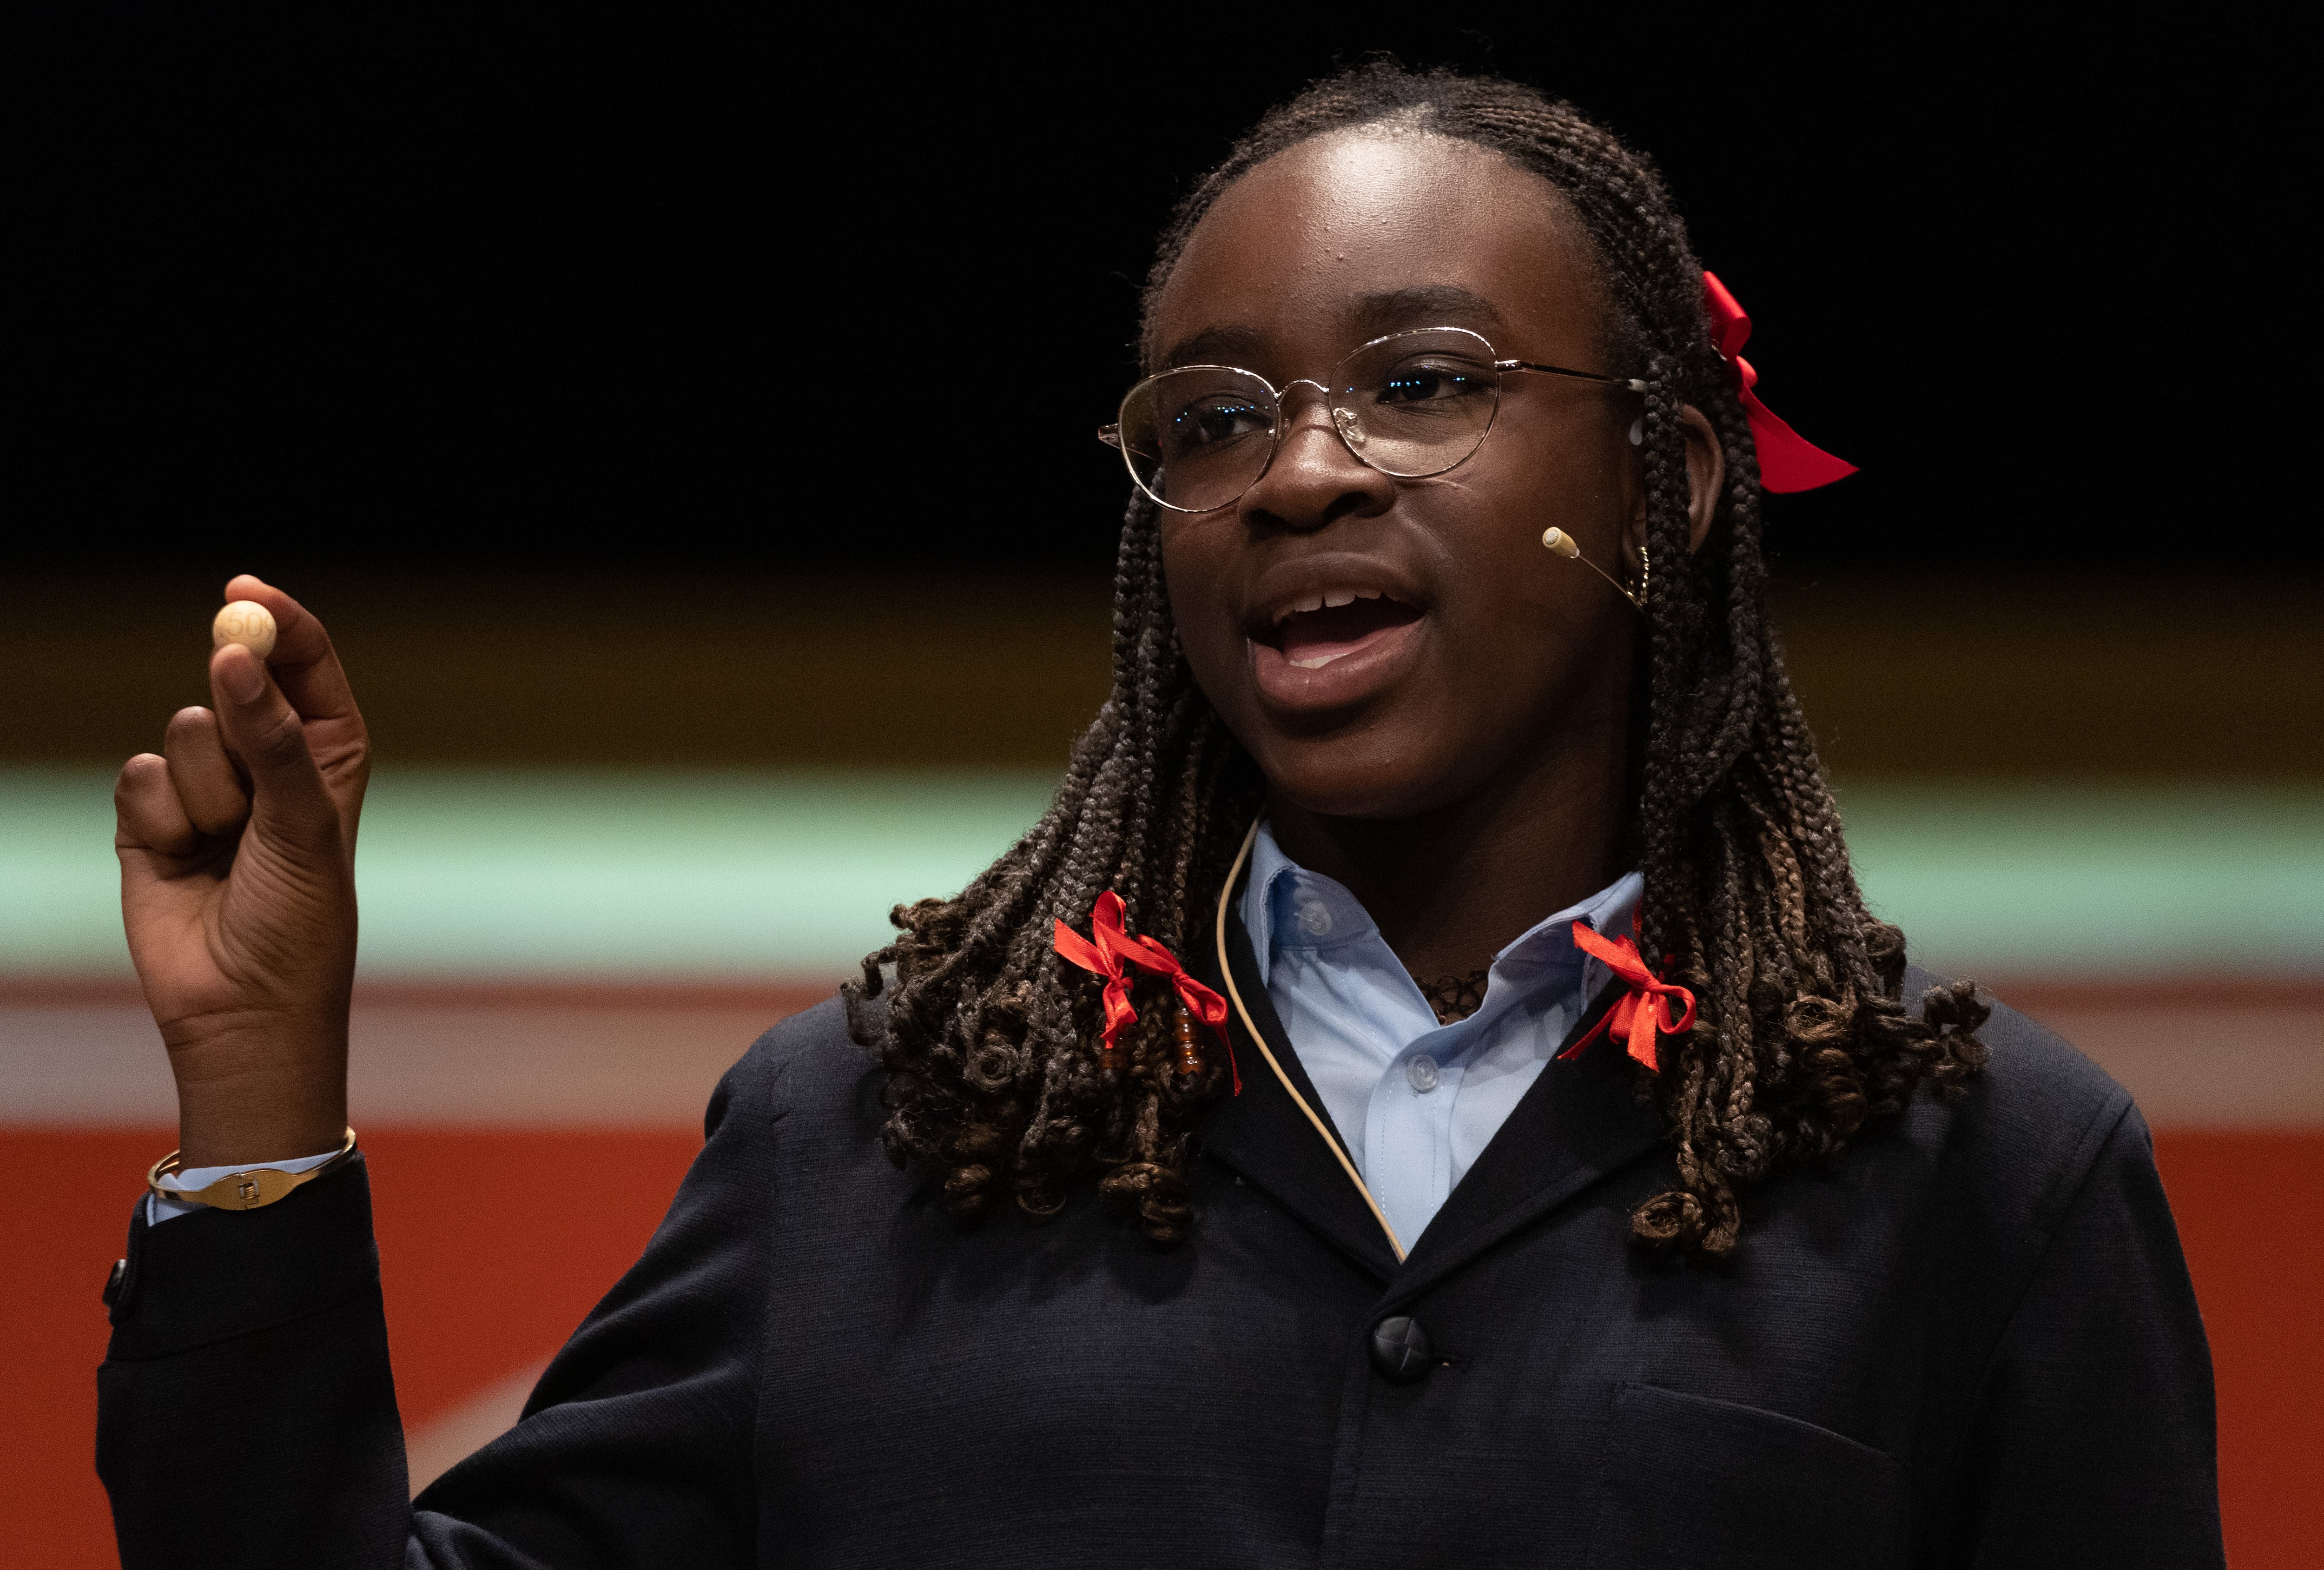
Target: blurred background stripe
x,y
565,873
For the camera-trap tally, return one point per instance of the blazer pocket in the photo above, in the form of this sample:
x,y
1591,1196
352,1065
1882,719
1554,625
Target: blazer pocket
x,y
1691,1482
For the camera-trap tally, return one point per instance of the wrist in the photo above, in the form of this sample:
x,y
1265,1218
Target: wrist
x,y
258,1095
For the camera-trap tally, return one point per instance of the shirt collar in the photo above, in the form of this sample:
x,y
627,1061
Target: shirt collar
x,y
1285,898
1269,868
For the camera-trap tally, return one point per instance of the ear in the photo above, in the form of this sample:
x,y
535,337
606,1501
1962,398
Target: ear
x,y
1706,474
1706,479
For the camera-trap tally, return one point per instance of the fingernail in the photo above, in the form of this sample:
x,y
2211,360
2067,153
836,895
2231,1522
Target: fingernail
x,y
241,678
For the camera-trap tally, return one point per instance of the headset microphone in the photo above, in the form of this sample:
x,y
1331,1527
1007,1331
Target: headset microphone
x,y
1563,544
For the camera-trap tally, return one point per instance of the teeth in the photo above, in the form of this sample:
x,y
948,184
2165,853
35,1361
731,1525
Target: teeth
x,y
1333,597
1312,602
1317,663
1330,597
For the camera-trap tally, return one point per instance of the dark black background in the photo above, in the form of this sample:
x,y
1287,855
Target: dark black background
x,y
609,284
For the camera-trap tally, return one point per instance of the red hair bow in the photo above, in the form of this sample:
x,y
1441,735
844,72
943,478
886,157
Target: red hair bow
x,y
1642,1009
1788,461
1108,951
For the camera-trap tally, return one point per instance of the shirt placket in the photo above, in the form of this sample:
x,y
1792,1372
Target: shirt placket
x,y
1408,1134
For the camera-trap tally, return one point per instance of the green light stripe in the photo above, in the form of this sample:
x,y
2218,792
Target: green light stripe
x,y
550,874
2025,880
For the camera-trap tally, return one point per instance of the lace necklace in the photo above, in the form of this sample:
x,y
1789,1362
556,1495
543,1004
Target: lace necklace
x,y
1455,997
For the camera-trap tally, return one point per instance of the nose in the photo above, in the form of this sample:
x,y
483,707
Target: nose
x,y
1316,477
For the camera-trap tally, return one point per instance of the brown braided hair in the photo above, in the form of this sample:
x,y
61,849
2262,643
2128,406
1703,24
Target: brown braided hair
x,y
989,1042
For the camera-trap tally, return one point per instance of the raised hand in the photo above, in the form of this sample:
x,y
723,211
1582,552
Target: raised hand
x,y
237,887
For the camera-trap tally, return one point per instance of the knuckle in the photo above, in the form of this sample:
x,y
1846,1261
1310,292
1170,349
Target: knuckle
x,y
190,730
282,740
131,780
146,809
139,778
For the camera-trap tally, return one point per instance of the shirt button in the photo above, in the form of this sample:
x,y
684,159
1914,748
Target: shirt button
x,y
1421,1072
1315,917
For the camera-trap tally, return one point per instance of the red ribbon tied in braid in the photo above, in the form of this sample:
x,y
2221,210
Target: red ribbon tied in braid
x,y
1109,951
1644,1010
1788,461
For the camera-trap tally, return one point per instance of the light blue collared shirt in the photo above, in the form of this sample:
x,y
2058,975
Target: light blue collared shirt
x,y
1415,1101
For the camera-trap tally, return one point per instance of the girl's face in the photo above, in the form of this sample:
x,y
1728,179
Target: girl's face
x,y
1470,655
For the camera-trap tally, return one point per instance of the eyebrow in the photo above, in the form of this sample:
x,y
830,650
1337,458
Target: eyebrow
x,y
1375,315
1215,346
1426,305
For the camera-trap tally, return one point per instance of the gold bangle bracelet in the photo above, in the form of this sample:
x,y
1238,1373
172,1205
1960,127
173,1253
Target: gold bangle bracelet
x,y
246,1190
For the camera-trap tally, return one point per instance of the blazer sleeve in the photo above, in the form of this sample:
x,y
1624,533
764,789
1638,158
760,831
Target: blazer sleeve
x,y
247,1412
2096,1441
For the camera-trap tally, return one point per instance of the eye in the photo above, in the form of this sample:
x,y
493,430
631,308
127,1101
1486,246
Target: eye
x,y
1222,418
1433,382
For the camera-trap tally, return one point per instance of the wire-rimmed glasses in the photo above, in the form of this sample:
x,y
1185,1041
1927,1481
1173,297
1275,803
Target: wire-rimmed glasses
x,y
1411,404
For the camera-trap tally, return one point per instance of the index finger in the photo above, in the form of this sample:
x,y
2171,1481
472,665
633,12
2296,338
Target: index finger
x,y
303,663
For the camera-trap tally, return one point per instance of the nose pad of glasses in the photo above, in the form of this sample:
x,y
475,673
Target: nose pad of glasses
x,y
1350,431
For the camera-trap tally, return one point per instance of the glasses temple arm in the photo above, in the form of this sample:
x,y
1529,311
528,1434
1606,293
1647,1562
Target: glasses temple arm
x,y
1630,383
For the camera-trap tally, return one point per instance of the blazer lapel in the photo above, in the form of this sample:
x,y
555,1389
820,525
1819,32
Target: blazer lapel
x,y
1264,1136
1578,1124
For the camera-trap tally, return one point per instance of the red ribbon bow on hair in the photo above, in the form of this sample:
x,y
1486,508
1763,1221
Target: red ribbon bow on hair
x,y
1107,956
1641,1011
1788,461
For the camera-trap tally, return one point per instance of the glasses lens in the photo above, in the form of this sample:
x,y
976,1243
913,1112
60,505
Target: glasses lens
x,y
1199,437
1417,403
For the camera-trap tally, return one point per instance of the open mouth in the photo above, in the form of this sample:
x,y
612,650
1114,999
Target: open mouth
x,y
1335,623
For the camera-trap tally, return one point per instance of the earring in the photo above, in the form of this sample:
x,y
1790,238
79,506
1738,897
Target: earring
x,y
1638,431
1646,576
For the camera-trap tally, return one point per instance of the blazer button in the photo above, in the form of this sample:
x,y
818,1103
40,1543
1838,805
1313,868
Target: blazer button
x,y
1401,1349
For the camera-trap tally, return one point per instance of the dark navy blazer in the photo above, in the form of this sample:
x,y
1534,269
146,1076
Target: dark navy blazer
x,y
1972,1342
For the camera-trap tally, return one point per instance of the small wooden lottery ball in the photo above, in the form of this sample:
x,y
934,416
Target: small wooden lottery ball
x,y
246,622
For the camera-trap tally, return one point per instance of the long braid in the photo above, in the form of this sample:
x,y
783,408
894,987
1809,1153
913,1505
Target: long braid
x,y
989,1042
1801,1039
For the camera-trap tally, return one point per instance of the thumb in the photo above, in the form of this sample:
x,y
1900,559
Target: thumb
x,y
289,800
